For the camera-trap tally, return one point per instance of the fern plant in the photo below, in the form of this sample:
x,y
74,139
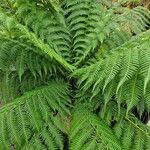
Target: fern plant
x,y
74,74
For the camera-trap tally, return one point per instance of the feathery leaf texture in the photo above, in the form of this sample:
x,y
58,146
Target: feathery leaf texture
x,y
30,112
74,74
126,65
90,132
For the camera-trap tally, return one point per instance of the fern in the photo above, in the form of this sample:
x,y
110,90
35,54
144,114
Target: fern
x,y
126,73
136,19
90,131
30,111
74,74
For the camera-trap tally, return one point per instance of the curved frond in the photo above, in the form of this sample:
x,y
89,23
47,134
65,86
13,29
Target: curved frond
x,y
125,65
30,112
92,132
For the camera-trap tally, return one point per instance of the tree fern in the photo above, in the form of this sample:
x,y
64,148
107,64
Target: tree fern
x,y
74,74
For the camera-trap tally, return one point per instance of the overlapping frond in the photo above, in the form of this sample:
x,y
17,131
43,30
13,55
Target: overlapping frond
x,y
14,29
90,132
127,66
33,111
52,29
136,20
133,134
89,24
41,42
130,130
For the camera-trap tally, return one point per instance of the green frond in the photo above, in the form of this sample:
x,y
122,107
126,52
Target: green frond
x,y
124,65
9,85
30,112
137,19
145,68
45,48
130,131
128,70
147,97
86,22
50,137
32,37
74,74
91,131
132,92
22,58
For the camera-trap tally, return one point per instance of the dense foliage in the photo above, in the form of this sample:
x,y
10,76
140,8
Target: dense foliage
x,y
74,74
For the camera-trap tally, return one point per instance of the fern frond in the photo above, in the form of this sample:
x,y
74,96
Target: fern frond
x,y
127,129
128,70
137,19
33,39
45,48
23,57
130,54
88,129
42,42
88,26
9,87
131,133
30,112
145,68
49,138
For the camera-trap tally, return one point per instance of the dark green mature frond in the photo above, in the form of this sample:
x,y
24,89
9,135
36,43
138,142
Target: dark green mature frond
x,y
130,21
131,133
45,49
52,29
30,112
126,66
51,139
9,87
89,26
16,55
90,132
147,97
